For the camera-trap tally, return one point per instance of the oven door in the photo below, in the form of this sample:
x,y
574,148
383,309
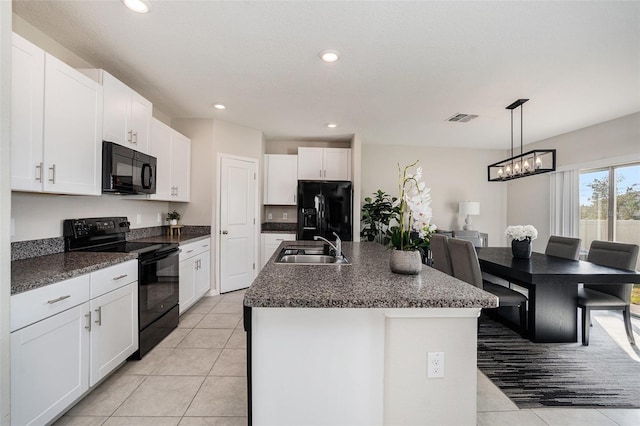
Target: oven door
x,y
158,284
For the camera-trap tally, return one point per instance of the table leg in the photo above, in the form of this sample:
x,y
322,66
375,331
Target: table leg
x,y
553,313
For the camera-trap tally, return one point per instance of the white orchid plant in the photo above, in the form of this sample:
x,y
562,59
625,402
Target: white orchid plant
x,y
414,226
522,232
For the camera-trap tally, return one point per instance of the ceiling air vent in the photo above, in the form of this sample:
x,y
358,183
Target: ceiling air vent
x,y
462,118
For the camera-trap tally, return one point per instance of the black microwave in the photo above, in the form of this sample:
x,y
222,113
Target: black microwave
x,y
125,171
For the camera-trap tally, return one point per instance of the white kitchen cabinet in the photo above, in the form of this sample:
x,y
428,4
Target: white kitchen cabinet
x,y
270,243
324,163
57,114
173,151
280,179
126,115
67,336
195,272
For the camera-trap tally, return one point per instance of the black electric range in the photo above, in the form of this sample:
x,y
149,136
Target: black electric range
x,y
158,272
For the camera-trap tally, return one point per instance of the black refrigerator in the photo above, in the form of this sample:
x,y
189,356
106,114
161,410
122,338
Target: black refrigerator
x,y
324,208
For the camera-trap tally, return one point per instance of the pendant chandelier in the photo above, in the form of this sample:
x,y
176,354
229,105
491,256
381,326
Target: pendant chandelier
x,y
524,164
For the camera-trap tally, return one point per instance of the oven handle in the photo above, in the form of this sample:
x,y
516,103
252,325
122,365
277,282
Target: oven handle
x,y
158,258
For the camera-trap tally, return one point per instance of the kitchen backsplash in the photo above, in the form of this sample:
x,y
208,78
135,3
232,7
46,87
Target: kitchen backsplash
x,y
34,248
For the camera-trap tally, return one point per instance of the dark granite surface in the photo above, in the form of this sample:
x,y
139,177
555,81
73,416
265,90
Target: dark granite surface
x,y
34,248
279,228
182,239
35,272
366,283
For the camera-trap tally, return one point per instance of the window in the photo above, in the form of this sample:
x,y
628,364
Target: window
x,y
610,209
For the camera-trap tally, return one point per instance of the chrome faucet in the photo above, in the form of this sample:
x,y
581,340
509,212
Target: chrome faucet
x,y
337,246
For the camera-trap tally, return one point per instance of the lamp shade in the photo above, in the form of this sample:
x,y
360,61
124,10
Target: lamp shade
x,y
469,207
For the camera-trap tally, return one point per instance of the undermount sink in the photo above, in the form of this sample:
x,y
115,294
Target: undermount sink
x,y
309,256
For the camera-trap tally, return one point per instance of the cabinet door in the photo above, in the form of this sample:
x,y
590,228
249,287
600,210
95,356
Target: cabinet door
x,y
187,283
49,366
181,166
72,130
27,108
117,97
160,147
281,180
337,163
141,110
203,274
114,330
310,164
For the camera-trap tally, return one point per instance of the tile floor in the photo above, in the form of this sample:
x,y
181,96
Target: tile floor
x,y
196,376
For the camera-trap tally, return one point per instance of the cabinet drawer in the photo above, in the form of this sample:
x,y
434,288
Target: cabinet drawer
x,y
35,305
276,239
113,277
195,248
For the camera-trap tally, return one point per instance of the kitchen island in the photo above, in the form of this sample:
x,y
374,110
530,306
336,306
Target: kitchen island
x,y
349,344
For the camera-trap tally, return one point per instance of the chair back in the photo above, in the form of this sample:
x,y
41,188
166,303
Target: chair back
x,y
440,252
614,255
568,248
473,236
464,261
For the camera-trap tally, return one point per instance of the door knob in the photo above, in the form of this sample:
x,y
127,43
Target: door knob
x,y
225,232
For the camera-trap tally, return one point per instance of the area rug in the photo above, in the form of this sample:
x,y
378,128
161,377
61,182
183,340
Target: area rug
x,y
536,375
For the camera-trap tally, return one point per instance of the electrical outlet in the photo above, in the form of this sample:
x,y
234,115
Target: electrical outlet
x,y
139,218
284,216
270,216
435,365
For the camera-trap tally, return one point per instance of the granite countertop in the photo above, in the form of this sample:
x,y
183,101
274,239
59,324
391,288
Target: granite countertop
x,y
29,274
366,283
279,228
182,239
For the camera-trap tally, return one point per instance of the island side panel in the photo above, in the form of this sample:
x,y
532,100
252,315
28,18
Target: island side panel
x,y
317,366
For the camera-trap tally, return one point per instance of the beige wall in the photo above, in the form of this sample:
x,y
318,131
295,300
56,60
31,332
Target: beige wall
x,y
453,175
528,198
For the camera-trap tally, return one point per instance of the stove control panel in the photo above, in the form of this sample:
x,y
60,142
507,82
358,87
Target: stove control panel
x,y
83,228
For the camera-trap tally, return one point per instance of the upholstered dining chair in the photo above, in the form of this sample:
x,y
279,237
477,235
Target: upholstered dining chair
x,y
566,247
440,252
473,236
608,296
465,265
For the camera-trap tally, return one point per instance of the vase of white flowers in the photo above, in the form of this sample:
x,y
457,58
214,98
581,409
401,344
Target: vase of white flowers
x,y
410,237
521,237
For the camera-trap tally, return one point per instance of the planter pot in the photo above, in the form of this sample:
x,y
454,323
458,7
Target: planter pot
x,y
407,262
521,249
173,222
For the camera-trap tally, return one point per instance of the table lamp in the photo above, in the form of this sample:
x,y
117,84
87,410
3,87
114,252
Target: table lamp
x,y
468,208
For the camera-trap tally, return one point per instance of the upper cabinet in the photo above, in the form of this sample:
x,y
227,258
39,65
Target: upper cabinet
x,y
324,163
56,124
173,151
127,115
280,179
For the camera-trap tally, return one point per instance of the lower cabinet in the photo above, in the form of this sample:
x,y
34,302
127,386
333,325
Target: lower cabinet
x,y
270,243
58,352
49,366
195,272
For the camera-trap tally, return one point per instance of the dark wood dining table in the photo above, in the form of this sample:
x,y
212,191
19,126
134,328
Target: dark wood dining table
x,y
552,283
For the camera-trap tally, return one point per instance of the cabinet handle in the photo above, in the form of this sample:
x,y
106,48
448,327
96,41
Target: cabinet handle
x,y
205,245
130,133
294,198
189,251
325,173
88,326
119,277
39,172
99,311
177,191
53,170
320,172
279,239
52,301
136,135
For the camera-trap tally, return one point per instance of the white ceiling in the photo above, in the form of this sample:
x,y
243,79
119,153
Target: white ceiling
x,y
405,67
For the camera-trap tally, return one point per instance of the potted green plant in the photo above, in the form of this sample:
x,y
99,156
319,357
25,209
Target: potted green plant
x,y
173,217
377,213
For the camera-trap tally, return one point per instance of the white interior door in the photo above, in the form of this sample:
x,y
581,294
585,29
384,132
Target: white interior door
x,y
237,223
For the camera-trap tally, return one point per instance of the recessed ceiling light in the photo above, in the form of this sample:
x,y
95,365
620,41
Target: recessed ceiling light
x,y
329,55
138,6
332,125
219,106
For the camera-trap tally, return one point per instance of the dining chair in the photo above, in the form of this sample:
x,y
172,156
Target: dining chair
x,y
566,247
473,236
465,265
440,251
608,296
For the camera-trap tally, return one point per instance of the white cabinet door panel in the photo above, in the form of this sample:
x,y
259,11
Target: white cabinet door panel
x,y
27,112
337,163
203,275
310,164
187,290
116,110
141,110
49,366
160,147
181,166
281,179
